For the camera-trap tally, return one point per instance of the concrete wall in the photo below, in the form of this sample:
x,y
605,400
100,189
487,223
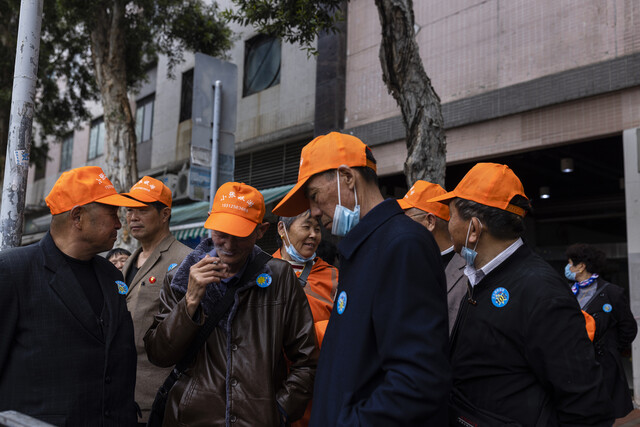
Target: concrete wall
x,y
471,47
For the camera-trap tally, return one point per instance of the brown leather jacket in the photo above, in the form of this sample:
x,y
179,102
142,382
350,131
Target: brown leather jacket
x,y
240,376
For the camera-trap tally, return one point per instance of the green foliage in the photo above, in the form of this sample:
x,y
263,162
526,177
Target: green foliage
x,y
66,78
295,21
57,109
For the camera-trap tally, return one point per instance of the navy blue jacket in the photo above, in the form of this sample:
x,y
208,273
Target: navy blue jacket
x,y
384,360
58,362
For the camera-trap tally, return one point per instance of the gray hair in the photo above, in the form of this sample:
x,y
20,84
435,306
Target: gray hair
x,y
287,221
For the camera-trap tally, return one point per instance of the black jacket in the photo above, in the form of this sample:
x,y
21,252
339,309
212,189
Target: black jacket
x,y
527,357
384,358
57,362
615,330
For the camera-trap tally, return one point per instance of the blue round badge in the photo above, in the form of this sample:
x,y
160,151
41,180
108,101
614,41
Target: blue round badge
x,y
171,267
342,302
122,287
263,280
500,297
607,308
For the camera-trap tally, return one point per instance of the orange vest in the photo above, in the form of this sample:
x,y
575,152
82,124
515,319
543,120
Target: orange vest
x,y
321,288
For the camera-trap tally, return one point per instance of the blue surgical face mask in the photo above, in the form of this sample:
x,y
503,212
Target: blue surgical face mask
x,y
293,252
469,255
344,219
568,273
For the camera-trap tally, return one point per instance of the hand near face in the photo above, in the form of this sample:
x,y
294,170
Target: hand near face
x,y
208,270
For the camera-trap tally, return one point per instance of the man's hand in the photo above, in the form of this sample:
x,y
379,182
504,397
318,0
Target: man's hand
x,y
208,270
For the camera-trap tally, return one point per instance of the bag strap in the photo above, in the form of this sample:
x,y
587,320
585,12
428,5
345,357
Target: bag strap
x,y
305,273
218,311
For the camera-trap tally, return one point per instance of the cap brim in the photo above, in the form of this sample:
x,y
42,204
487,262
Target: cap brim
x,y
444,198
294,203
141,197
404,204
120,200
230,224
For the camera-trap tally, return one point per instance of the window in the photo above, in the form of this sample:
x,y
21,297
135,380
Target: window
x,y
144,119
261,64
66,152
186,96
96,139
272,167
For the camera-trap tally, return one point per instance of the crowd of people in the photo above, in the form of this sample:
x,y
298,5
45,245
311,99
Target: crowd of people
x,y
438,315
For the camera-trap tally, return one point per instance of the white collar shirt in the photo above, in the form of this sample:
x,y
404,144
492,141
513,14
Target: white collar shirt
x,y
475,276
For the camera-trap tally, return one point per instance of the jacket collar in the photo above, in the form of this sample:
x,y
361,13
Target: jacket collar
x,y
66,286
367,225
162,247
454,270
518,256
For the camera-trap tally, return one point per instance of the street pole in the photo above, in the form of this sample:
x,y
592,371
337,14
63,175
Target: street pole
x,y
215,142
22,107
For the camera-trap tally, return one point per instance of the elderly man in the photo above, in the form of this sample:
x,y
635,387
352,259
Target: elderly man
x,y
384,355
434,217
520,350
67,355
240,375
145,271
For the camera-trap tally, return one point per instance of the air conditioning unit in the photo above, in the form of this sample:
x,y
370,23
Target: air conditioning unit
x,y
171,181
182,185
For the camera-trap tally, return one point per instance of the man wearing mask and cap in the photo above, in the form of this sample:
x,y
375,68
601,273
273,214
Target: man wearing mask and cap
x,y
145,271
384,354
67,354
434,216
520,350
240,374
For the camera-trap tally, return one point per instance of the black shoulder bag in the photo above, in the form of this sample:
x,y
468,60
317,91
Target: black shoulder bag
x,y
305,273
159,403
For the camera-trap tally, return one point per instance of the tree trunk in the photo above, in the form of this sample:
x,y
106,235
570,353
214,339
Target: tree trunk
x,y
108,55
408,83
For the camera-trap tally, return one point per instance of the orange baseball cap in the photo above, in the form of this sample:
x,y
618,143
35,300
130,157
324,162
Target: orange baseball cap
x,y
150,190
418,197
237,209
82,186
324,153
489,184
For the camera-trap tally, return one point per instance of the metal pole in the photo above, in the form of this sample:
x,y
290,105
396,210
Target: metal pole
x,y
215,139
22,107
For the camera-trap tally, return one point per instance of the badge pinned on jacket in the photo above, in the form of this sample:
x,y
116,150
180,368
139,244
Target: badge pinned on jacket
x,y
171,267
263,280
342,302
607,308
152,280
500,297
122,287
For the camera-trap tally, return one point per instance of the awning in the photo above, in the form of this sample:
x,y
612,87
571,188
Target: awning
x,y
190,231
187,221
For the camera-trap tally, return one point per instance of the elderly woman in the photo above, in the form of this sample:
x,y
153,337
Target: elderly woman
x,y
299,240
615,326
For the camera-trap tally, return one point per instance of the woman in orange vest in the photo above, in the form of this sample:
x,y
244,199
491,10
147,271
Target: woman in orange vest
x,y
300,237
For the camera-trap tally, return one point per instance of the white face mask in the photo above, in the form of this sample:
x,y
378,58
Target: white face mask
x,y
293,252
344,219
